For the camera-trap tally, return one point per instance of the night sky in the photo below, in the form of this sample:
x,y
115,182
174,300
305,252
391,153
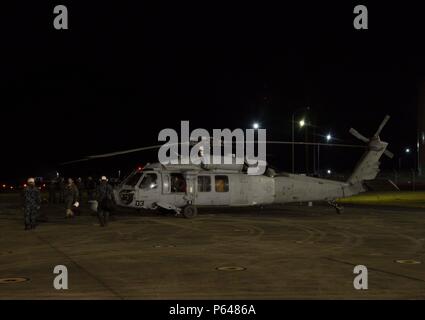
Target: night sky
x,y
122,72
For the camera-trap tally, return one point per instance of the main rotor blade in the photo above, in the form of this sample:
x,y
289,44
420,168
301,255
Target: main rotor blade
x,y
316,144
113,154
358,135
302,143
73,161
383,123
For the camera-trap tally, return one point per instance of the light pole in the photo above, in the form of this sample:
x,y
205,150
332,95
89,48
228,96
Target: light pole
x,y
412,169
328,139
301,123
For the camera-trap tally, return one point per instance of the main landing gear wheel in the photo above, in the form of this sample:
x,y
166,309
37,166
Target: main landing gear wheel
x,y
190,211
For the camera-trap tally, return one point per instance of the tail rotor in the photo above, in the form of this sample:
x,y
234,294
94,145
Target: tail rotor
x,y
373,142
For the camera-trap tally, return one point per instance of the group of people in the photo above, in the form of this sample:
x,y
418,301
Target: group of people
x,y
71,195
57,189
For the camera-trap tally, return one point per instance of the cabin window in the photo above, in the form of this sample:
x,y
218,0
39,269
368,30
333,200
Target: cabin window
x,y
204,183
149,181
178,182
221,183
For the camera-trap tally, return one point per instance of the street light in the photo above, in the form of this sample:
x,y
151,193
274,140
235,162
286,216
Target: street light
x,y
413,168
302,123
255,125
329,171
293,134
328,137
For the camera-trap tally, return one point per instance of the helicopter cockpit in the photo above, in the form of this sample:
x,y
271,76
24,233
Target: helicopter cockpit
x,y
143,188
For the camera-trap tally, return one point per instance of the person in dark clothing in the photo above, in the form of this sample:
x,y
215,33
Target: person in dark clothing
x,y
32,201
71,197
178,184
105,199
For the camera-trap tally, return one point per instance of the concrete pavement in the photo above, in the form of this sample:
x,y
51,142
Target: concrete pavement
x,y
275,253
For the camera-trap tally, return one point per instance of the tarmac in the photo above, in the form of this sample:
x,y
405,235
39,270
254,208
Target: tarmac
x,y
281,252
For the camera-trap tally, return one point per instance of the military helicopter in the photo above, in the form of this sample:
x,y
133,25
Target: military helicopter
x,y
183,188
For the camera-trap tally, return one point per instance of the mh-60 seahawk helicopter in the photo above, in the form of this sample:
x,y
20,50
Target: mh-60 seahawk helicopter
x,y
185,187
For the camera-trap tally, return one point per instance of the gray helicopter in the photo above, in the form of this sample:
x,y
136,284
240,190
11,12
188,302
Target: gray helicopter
x,y
183,188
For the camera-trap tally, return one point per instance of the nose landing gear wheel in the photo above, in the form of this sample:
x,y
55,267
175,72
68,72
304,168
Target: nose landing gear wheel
x,y
190,211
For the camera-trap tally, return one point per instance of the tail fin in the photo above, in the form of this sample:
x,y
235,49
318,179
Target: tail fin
x,y
368,166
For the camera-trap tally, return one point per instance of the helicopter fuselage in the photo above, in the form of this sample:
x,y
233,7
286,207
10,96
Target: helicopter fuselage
x,y
158,187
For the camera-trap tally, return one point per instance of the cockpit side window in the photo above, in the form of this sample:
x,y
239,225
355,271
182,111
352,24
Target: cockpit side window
x,y
132,180
149,181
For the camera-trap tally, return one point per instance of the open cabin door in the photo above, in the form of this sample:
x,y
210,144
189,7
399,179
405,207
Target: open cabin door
x,y
174,188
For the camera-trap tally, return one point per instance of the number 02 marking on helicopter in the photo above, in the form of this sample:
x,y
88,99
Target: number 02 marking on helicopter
x,y
140,203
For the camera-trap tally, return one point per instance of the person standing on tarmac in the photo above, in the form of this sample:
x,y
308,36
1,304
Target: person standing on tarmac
x,y
32,201
104,197
71,197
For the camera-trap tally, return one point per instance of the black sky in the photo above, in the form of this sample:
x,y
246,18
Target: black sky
x,y
122,72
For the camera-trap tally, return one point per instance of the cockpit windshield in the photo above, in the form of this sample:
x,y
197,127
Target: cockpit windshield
x,y
133,179
149,181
